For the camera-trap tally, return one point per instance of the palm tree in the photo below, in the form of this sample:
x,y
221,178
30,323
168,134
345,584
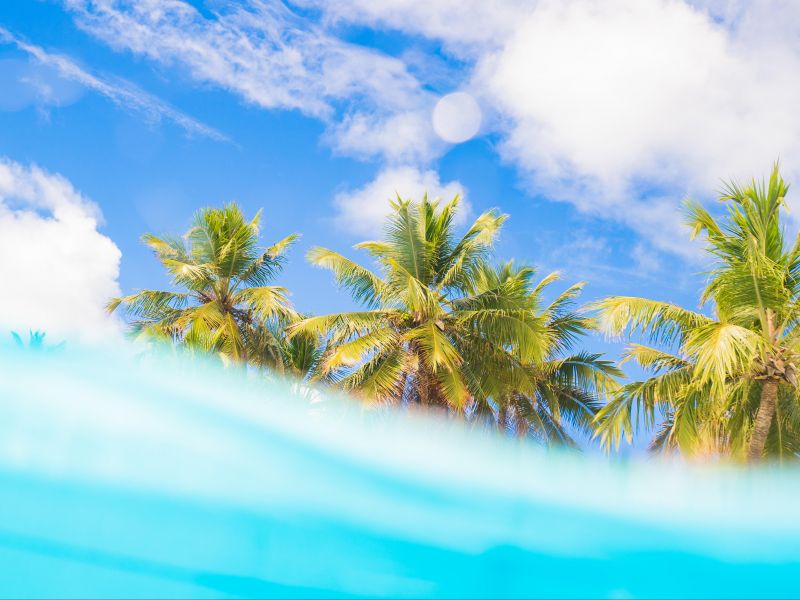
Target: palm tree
x,y
224,304
296,356
675,396
553,398
731,385
422,317
35,342
441,327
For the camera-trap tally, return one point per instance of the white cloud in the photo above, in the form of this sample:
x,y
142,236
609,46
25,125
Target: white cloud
x,y
272,58
570,72
645,259
620,107
602,103
363,211
401,138
630,90
253,48
373,107
464,25
121,92
57,270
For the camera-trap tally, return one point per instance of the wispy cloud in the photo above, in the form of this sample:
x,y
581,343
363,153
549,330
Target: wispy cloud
x,y
373,107
271,57
620,108
121,92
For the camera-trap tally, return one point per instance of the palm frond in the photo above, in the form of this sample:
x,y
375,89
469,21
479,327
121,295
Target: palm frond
x,y
365,287
661,322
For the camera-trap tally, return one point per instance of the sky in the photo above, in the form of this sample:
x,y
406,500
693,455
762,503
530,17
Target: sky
x,y
588,122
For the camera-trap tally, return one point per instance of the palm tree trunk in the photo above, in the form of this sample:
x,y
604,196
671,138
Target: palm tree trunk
x,y
430,392
424,387
402,389
766,412
502,416
522,426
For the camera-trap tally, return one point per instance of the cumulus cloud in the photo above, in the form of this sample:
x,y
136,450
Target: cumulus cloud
x,y
58,270
363,211
625,107
620,91
47,84
625,90
621,107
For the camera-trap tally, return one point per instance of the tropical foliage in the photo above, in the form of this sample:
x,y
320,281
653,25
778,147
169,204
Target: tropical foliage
x,y
557,395
730,385
221,304
441,327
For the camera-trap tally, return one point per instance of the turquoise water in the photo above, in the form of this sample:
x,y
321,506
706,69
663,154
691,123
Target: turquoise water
x,y
158,477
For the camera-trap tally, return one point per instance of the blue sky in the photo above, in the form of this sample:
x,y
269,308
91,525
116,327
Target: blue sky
x,y
596,121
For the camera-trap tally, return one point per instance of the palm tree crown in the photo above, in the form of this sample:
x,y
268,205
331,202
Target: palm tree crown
x,y
224,304
441,327
731,386
557,395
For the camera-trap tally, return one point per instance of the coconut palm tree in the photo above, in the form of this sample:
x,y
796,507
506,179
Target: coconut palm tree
x,y
422,314
674,397
36,342
443,328
296,356
553,398
223,304
731,384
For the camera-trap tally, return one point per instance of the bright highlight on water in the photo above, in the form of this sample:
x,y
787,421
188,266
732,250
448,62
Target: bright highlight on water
x,y
151,476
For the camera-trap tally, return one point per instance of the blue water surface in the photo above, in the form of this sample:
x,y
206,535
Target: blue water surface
x,y
131,475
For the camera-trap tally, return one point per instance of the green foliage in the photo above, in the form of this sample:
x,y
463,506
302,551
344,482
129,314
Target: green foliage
x,y
711,391
442,326
223,304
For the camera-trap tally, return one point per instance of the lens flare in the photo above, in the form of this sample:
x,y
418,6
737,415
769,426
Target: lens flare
x,y
456,117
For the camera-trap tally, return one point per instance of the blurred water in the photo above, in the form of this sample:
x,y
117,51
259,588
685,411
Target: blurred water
x,y
129,477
